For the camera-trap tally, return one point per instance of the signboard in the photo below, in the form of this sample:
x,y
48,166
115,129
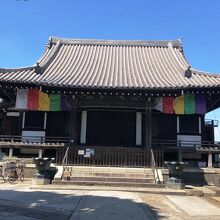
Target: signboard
x,y
81,152
89,152
189,140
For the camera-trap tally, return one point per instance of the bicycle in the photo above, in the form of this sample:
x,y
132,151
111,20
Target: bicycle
x,y
16,173
6,166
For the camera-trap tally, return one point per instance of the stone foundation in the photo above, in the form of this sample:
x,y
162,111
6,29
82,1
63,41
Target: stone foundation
x,y
40,181
196,176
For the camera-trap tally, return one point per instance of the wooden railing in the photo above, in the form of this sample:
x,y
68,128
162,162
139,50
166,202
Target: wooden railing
x,y
211,123
108,156
10,139
156,143
182,144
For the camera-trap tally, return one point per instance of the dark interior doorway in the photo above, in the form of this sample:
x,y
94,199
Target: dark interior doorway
x,y
111,128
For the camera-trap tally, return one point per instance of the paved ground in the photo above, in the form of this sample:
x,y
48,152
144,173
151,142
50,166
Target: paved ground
x,y
18,202
192,206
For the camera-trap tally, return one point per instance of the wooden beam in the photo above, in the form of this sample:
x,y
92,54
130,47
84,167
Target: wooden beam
x,y
109,104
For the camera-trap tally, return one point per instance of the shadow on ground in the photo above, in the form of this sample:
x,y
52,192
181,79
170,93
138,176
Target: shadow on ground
x,y
75,204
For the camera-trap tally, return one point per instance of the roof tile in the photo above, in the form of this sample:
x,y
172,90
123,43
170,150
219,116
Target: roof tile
x,y
112,64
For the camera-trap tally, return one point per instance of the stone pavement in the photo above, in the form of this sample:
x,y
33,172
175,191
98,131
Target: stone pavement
x,y
195,206
19,202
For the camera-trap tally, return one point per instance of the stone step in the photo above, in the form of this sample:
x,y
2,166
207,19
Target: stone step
x,y
91,183
108,169
128,175
111,176
214,189
112,179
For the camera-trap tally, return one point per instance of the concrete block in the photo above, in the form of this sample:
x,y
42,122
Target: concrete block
x,y
217,192
209,194
40,181
195,192
217,181
66,174
176,186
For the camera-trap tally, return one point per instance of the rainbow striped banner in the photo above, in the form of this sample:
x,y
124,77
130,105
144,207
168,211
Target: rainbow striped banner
x,y
185,104
33,99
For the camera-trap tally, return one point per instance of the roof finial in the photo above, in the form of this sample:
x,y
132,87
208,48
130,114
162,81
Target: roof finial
x,y
180,43
38,69
188,72
180,40
50,42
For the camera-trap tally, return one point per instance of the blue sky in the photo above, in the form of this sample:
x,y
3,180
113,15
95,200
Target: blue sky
x,y
27,24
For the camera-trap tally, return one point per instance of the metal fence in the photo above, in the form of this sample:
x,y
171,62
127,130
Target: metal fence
x,y
110,156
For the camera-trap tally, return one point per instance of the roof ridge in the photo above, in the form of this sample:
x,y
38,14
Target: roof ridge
x,y
176,57
150,43
50,57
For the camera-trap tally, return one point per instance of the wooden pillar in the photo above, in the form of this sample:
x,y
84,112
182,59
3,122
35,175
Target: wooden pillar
x,y
200,125
178,124
213,131
210,160
180,155
45,120
148,123
23,120
20,123
40,153
10,152
83,127
138,128
73,122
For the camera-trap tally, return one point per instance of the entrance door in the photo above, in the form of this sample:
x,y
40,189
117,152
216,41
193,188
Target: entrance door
x,y
10,126
111,128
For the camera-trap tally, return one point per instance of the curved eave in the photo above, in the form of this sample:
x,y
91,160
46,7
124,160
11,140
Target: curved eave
x,y
85,88
19,69
30,72
204,73
44,58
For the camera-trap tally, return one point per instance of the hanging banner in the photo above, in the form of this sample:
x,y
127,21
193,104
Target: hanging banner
x,y
33,99
159,104
189,104
65,103
44,102
179,105
200,104
55,102
21,99
168,105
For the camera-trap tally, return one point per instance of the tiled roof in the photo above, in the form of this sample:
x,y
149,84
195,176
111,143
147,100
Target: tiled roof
x,y
111,64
